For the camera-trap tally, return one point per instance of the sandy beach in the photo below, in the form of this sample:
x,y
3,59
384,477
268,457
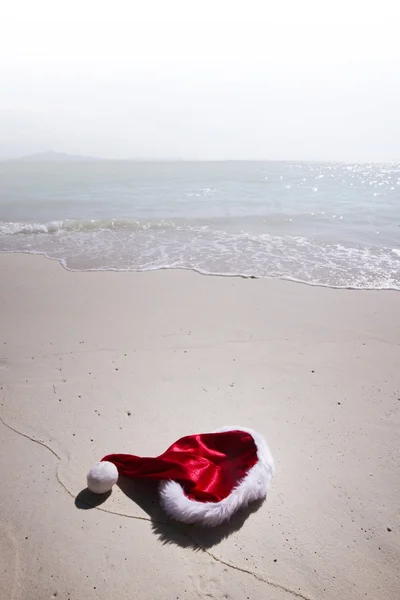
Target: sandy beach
x,y
100,362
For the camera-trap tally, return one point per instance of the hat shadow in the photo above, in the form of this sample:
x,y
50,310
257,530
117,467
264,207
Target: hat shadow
x,y
86,499
169,531
145,494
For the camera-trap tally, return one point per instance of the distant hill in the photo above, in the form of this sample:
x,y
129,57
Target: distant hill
x,y
51,156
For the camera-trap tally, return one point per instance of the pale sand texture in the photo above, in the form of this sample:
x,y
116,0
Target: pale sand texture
x,y
92,363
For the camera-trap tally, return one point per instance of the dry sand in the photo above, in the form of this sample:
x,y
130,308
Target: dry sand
x,y
92,363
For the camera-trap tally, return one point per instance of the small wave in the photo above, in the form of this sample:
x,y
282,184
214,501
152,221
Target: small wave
x,y
274,222
72,225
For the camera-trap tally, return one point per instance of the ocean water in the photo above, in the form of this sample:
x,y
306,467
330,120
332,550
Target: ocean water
x,y
329,224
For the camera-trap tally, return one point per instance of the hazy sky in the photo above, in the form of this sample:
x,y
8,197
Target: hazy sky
x,y
201,80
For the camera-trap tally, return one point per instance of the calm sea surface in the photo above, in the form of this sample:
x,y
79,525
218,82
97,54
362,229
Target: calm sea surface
x,y
321,223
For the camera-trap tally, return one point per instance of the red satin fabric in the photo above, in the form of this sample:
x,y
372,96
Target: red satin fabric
x,y
207,465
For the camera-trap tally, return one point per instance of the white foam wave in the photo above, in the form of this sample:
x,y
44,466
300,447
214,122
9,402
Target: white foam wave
x,y
213,251
71,225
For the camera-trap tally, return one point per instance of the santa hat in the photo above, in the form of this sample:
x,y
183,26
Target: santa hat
x,y
204,478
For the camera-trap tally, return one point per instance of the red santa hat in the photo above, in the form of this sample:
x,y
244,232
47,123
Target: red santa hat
x,y
204,478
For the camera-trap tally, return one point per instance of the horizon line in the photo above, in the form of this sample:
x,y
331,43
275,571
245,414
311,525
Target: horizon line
x,y
41,158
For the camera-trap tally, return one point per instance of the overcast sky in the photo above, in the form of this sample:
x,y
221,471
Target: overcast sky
x,y
201,80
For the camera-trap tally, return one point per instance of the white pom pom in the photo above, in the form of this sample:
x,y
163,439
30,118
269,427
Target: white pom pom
x,y
102,477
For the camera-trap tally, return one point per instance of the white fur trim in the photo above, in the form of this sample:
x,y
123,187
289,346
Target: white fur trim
x,y
253,487
102,477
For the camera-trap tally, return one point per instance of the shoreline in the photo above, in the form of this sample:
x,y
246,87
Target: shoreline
x,y
129,362
202,273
